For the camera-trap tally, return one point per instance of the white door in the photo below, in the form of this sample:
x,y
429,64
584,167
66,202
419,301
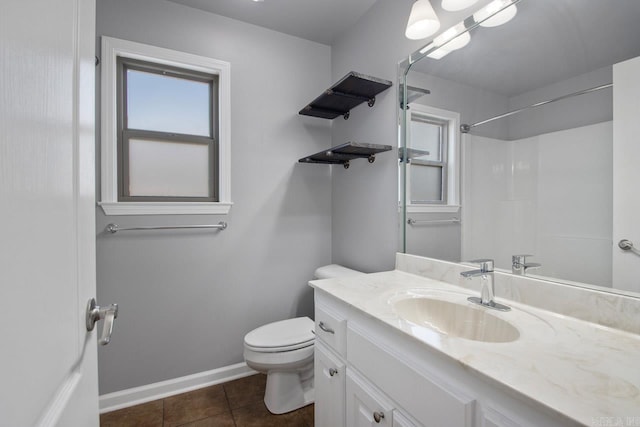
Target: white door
x,y
626,174
48,373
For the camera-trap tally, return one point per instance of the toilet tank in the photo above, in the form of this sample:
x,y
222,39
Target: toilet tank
x,y
333,271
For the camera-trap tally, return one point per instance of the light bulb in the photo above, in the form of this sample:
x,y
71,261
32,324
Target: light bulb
x,y
456,43
423,21
459,42
439,53
501,18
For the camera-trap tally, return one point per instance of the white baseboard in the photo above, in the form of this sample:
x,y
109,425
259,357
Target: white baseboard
x,y
146,393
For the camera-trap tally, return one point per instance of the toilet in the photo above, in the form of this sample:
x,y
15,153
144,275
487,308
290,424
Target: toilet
x,y
284,351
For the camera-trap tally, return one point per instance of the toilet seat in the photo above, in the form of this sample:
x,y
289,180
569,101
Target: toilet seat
x,y
282,336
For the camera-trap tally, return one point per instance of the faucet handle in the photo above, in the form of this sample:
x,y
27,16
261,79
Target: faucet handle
x,y
486,264
519,259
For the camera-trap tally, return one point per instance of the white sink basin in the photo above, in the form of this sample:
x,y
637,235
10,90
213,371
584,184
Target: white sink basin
x,y
462,320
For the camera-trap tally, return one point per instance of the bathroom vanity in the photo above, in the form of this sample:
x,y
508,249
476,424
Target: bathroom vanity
x,y
397,349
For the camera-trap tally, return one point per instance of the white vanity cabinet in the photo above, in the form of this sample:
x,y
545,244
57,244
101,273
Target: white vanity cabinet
x,y
330,366
368,373
344,398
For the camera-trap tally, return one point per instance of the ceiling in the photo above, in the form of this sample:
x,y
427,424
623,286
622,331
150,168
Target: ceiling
x,y
317,20
547,41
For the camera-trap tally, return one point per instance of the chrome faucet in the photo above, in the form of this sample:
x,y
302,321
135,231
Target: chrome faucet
x,y
519,264
486,295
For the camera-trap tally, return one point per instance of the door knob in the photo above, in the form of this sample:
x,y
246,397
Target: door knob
x,y
625,245
108,314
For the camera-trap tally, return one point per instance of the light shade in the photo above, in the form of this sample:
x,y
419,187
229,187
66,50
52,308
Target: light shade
x,y
459,42
455,5
423,21
501,18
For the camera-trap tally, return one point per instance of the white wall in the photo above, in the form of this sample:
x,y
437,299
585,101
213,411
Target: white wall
x,y
364,216
549,196
188,298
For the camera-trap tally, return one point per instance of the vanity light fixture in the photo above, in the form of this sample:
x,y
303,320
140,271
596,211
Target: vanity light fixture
x,y
456,43
501,18
455,5
423,21
439,53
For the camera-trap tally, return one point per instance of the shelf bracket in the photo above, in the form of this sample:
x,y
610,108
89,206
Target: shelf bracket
x,y
371,101
323,110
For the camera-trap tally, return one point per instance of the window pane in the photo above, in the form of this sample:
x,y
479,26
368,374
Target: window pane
x,y
168,104
426,183
168,169
427,137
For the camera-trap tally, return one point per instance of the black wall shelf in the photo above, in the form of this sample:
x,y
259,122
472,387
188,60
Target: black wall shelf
x,y
351,91
342,154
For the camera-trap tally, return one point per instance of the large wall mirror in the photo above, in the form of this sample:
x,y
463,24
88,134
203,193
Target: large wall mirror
x,y
544,176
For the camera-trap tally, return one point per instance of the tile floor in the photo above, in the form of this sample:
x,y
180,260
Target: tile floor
x,y
237,403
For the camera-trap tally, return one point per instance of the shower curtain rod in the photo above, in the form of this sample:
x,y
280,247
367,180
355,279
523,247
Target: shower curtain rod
x,y
466,128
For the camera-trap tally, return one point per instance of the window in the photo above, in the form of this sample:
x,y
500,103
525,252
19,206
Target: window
x,y
428,162
432,159
167,133
165,136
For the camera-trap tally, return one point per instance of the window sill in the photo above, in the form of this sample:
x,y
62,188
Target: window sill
x,y
165,208
433,208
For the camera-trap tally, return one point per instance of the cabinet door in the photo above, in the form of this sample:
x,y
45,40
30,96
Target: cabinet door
x,y
366,406
329,382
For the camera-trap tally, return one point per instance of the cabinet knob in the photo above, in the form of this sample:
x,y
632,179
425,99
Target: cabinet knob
x,y
333,371
377,416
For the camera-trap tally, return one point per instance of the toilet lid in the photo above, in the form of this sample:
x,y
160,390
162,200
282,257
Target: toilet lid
x,y
287,334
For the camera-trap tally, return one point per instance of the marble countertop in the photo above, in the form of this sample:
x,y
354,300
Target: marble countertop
x,y
587,372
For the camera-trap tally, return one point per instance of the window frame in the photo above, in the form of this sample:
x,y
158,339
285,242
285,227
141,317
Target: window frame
x,y
125,133
450,155
443,126
117,51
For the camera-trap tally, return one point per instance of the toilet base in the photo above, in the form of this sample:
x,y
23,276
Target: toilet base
x,y
288,391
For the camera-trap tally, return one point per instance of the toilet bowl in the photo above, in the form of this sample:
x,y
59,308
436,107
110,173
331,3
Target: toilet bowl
x,y
284,351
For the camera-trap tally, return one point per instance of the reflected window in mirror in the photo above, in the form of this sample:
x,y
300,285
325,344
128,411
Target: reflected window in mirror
x,y
432,157
428,164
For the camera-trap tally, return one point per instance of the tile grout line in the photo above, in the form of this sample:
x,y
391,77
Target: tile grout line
x,y
226,396
163,415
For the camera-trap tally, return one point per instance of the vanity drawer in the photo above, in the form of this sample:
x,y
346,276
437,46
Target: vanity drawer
x,y
431,401
331,328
